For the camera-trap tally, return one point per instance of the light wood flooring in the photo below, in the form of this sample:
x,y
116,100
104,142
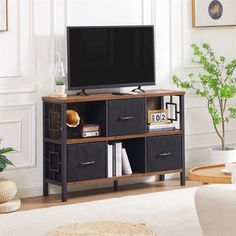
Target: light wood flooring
x,y
105,193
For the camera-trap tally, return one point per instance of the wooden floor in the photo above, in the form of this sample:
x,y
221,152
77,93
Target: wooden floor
x,y
105,193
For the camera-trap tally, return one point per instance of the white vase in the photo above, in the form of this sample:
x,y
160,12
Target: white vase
x,y
219,156
60,89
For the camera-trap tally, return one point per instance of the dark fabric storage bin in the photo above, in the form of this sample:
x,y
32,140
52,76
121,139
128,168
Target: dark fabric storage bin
x,y
126,117
163,153
86,161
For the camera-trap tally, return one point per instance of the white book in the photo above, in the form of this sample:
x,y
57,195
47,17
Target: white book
x,y
126,168
109,161
113,160
161,129
157,126
117,158
117,168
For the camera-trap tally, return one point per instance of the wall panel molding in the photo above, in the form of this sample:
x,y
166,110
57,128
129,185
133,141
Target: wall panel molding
x,y
185,9
23,80
208,132
182,34
19,123
189,107
15,74
25,115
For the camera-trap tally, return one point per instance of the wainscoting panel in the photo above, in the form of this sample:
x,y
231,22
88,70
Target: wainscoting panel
x,y
10,55
18,130
17,49
7,129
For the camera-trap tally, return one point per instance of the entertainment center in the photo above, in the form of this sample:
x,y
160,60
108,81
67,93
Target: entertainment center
x,y
72,160
109,137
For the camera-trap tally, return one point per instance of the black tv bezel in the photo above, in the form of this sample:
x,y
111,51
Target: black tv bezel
x,y
109,85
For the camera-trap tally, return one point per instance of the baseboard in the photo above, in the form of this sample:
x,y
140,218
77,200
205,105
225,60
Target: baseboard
x,y
33,191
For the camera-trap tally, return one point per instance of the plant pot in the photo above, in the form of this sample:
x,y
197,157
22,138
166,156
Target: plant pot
x,y
60,89
219,156
8,190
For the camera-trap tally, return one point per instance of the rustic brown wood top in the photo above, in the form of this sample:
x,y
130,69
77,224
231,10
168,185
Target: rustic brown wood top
x,y
110,96
210,174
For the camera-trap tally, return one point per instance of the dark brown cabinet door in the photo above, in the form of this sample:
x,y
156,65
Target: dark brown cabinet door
x,y
126,117
163,153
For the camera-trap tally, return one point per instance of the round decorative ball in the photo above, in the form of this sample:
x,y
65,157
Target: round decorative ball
x,y
8,190
103,228
12,205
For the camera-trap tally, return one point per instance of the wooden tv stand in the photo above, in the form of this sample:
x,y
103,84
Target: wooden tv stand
x,y
64,149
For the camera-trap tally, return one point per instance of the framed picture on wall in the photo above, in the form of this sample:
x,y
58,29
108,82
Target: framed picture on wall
x,y
3,15
210,13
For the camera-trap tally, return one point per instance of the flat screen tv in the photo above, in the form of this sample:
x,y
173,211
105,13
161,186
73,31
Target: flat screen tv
x,y
114,56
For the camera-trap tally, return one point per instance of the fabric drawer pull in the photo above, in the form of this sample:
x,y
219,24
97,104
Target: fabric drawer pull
x,y
166,154
126,118
87,163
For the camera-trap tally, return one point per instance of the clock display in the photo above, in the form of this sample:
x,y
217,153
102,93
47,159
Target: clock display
x,y
157,116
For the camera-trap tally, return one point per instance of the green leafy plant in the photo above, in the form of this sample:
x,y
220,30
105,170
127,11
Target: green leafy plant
x,y
4,162
216,83
60,81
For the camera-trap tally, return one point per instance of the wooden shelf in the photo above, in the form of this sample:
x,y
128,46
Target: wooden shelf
x,y
104,139
124,177
110,96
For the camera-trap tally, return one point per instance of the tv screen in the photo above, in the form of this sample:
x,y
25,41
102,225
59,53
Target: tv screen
x,y
101,57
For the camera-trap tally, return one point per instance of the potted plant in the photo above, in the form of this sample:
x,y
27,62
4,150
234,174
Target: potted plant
x,y
59,76
8,200
60,86
216,83
4,162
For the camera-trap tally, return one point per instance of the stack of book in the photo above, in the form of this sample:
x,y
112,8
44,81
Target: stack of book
x,y
117,161
161,127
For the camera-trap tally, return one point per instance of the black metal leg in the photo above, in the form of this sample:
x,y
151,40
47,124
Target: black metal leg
x,y
182,178
162,178
115,186
182,174
64,193
45,189
64,153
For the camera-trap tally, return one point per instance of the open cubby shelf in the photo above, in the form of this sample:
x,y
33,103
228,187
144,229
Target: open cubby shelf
x,y
149,153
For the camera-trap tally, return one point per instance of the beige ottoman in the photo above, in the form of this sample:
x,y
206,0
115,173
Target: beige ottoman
x,y
8,200
10,206
8,190
216,209
103,228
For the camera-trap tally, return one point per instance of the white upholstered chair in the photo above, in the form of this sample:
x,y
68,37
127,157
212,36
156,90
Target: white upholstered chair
x,y
216,209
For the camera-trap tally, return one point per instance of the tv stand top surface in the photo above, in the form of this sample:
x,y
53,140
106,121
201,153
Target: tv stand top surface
x,y
110,96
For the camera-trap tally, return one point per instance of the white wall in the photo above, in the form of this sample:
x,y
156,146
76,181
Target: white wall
x,y
37,28
200,134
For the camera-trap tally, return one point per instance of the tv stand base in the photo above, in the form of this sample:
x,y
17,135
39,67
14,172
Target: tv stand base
x,y
82,93
138,89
